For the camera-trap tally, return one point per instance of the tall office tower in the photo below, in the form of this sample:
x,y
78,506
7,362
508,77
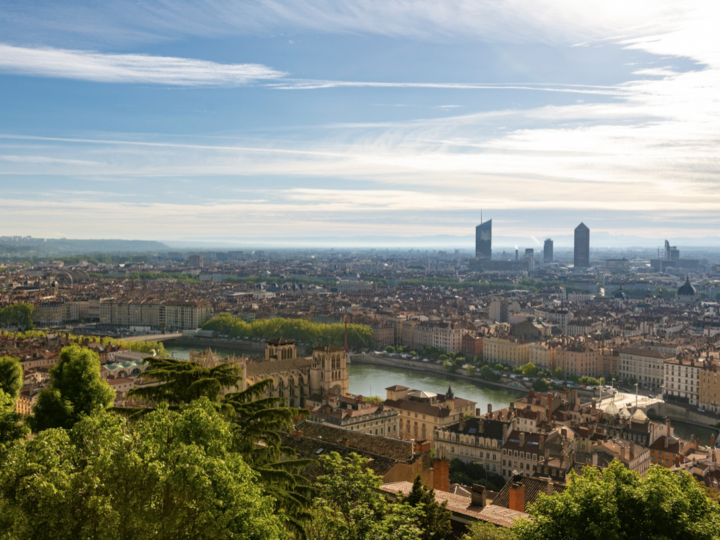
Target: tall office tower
x,y
672,253
530,258
483,240
582,246
548,251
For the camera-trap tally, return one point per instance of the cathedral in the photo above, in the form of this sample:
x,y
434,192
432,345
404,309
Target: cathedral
x,y
294,378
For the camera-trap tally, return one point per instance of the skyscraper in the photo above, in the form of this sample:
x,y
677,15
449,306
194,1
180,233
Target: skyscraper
x,y
582,246
548,251
483,240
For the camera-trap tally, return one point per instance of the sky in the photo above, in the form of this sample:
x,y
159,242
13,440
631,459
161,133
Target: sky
x,y
300,120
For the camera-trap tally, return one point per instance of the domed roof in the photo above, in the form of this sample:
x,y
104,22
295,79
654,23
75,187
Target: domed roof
x,y
639,416
620,295
687,289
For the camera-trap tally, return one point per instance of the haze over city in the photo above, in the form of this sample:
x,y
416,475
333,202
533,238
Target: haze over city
x,y
360,123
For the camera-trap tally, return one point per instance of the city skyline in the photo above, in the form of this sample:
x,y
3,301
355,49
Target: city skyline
x,y
314,119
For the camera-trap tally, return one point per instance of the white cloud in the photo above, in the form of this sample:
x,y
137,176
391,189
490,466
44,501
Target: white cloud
x,y
128,68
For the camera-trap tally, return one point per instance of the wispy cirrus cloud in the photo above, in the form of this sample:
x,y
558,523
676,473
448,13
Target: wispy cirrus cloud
x,y
128,68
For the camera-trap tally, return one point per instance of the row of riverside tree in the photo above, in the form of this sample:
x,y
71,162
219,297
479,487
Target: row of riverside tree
x,y
359,335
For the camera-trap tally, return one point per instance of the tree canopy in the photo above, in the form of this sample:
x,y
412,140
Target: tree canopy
x,y
11,376
435,521
171,475
75,390
618,504
20,314
359,335
349,507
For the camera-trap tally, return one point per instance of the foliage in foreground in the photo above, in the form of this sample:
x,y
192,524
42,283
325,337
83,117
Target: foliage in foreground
x,y
351,508
255,421
618,504
11,381
435,521
171,475
75,390
359,335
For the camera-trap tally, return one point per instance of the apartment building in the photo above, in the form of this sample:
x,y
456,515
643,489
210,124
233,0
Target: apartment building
x,y
475,440
510,351
561,317
682,380
580,359
543,355
443,336
709,395
185,315
646,366
55,312
422,412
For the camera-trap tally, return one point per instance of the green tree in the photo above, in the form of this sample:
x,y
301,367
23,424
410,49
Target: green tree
x,y
558,373
481,530
541,385
181,381
435,523
19,314
171,475
529,369
75,390
389,349
350,507
617,504
11,376
11,381
470,370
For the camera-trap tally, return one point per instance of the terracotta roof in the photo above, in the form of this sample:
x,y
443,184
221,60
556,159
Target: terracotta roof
x,y
533,488
459,504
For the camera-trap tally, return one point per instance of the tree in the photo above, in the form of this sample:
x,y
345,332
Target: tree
x,y
171,475
558,373
389,349
435,523
350,507
481,530
75,390
471,473
540,385
11,376
255,420
181,381
11,381
470,370
617,503
529,369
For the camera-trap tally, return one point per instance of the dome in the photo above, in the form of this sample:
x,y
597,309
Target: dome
x,y
620,295
639,416
687,289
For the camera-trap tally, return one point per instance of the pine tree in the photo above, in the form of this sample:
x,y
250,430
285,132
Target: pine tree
x,y
435,523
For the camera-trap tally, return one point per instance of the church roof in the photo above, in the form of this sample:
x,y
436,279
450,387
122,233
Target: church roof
x,y
687,289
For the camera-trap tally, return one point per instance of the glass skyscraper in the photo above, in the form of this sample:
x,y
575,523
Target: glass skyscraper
x,y
582,246
483,240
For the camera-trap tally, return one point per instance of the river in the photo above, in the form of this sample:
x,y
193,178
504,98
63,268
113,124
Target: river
x,y
372,380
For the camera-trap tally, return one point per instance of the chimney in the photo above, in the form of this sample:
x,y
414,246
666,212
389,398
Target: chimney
x,y
477,411
666,440
595,459
296,434
512,405
441,475
712,440
345,442
505,432
550,487
479,497
623,452
542,442
489,408
517,495
522,438
422,446
531,394
462,422
667,426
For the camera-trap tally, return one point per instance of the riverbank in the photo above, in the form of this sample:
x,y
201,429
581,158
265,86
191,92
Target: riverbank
x,y
400,363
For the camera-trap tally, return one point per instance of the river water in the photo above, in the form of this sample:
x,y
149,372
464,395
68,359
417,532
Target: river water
x,y
372,380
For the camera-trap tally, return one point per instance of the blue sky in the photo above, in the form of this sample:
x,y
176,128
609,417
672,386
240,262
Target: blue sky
x,y
316,118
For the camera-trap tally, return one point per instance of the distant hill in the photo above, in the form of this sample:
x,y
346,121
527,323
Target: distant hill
x,y
64,246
